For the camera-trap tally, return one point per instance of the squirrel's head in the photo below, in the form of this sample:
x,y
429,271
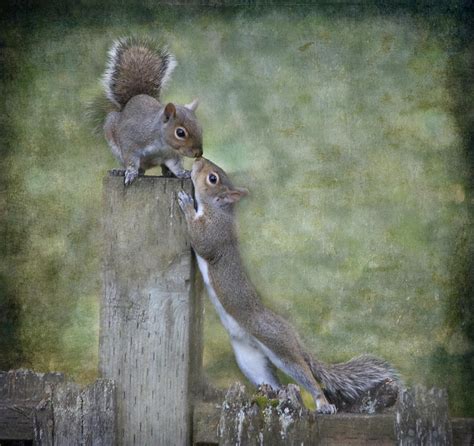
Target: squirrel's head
x,y
182,130
213,186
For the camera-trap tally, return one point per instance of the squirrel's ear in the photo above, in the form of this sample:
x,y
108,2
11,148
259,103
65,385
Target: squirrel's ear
x,y
234,195
243,191
193,105
170,111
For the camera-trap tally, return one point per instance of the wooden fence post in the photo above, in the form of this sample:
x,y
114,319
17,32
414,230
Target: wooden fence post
x,y
150,325
422,418
75,415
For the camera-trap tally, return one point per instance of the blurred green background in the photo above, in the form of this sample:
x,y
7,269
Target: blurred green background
x,y
350,125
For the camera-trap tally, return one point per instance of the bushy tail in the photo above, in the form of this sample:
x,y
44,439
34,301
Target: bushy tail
x,y
96,111
136,66
347,382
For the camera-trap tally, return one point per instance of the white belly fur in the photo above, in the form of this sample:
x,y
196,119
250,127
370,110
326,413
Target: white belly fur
x,y
251,357
230,324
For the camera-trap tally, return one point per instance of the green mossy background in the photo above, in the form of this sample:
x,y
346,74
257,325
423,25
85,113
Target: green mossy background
x,y
350,124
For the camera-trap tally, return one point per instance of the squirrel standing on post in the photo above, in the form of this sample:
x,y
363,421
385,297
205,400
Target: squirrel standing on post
x,y
141,131
262,340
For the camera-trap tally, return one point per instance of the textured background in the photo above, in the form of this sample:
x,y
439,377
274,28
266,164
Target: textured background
x,y
351,126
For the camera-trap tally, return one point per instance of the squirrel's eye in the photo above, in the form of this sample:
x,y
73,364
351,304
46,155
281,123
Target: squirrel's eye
x,y
180,133
212,178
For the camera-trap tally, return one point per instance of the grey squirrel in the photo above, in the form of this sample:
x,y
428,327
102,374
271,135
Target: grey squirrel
x,y
141,131
262,341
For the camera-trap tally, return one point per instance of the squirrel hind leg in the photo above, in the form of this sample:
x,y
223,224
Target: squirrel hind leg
x,y
254,364
301,373
304,377
109,132
298,369
325,408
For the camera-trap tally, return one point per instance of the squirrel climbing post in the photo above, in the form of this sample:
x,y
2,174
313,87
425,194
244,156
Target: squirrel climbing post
x,y
262,340
150,324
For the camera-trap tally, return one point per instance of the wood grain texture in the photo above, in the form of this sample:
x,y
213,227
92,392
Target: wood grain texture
x,y
44,424
99,407
150,329
422,417
20,391
282,420
73,415
67,415
52,411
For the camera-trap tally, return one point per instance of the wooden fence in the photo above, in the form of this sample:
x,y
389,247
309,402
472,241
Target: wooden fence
x,y
151,392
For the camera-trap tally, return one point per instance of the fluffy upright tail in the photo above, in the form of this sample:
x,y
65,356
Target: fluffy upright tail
x,y
348,381
136,66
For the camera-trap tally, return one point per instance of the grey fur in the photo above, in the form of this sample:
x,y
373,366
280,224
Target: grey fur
x,y
348,381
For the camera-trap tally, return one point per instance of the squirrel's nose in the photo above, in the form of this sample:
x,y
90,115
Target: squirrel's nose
x,y
198,152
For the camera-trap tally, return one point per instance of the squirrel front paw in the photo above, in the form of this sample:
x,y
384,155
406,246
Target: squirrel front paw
x,y
130,175
185,174
186,202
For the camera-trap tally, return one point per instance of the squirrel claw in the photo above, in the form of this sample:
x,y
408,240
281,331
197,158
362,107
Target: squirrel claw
x,y
185,200
327,409
117,172
130,176
184,175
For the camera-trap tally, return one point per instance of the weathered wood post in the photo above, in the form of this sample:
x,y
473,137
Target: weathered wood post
x,y
150,324
422,418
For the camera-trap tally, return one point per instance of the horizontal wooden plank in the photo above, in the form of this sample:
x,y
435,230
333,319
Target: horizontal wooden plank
x,y
339,429
24,384
353,429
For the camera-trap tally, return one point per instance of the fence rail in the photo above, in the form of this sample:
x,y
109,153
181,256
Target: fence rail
x,y
51,410
420,417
